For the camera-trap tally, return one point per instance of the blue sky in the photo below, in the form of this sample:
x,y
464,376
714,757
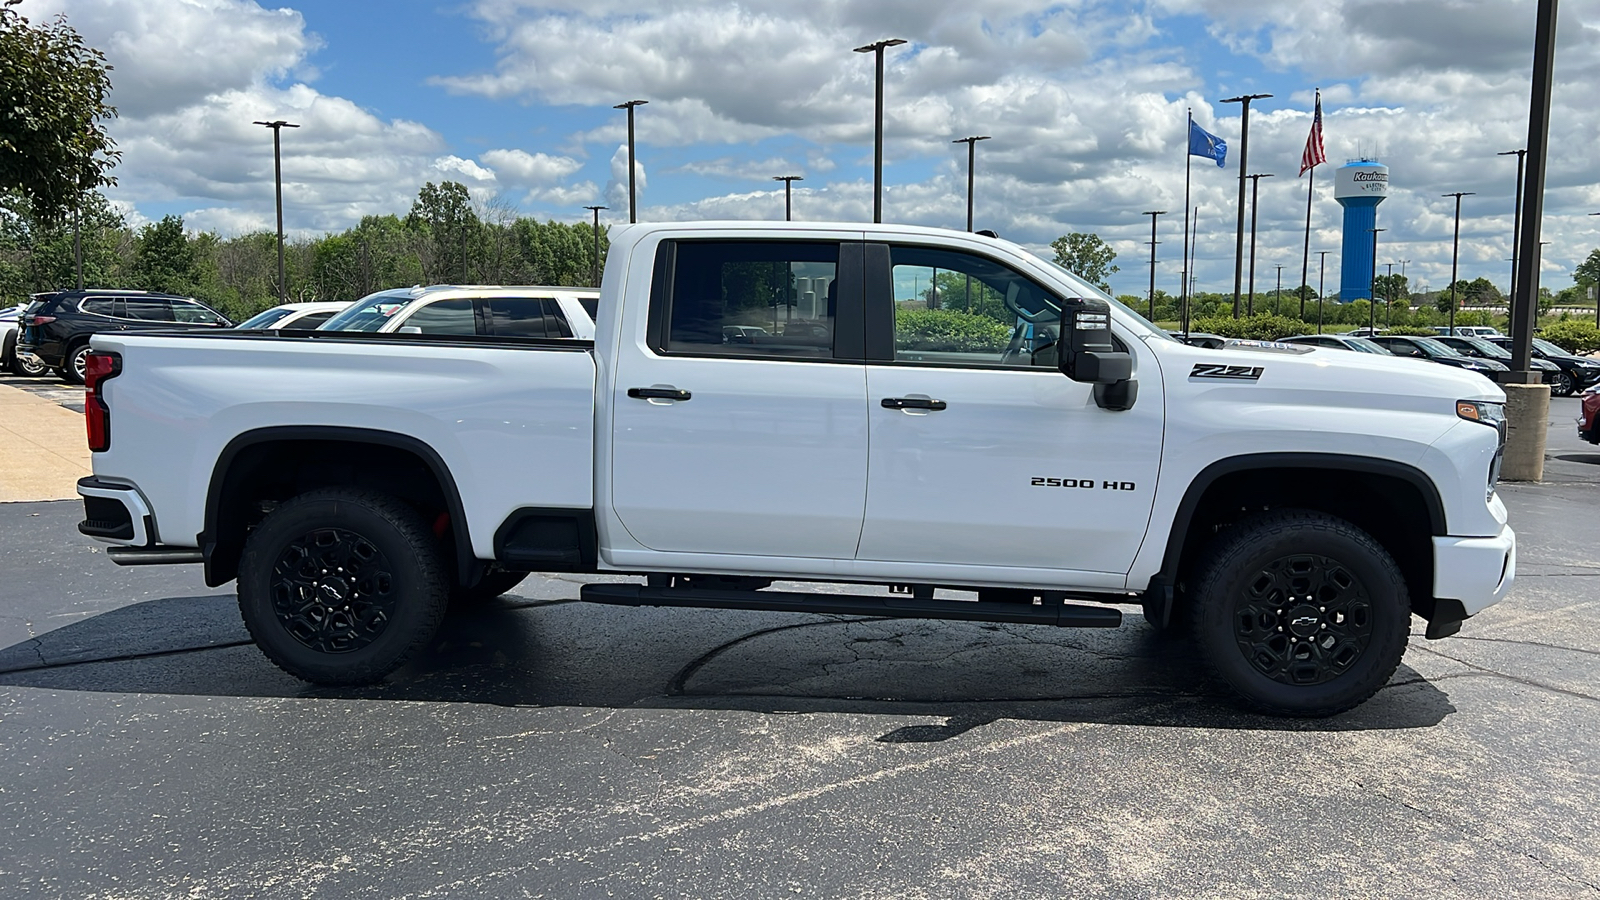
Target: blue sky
x,y
1084,99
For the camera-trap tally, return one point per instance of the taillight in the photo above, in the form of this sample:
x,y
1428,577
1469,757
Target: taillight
x,y
97,367
39,320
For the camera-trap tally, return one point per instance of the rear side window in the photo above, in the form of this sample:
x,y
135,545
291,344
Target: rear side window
x,y
444,317
99,306
148,309
193,313
774,299
591,305
312,320
525,317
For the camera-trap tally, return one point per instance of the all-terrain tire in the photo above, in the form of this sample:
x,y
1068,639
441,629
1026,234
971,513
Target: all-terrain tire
x,y
341,586
1300,613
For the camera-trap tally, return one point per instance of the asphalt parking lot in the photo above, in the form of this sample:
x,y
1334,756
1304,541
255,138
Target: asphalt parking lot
x,y
549,748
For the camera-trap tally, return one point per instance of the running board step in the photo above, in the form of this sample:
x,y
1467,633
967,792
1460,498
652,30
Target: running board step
x,y
1066,615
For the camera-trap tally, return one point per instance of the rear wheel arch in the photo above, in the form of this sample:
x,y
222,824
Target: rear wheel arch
x,y
1394,502
269,465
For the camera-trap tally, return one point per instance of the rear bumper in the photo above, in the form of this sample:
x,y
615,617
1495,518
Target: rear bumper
x,y
1476,572
115,513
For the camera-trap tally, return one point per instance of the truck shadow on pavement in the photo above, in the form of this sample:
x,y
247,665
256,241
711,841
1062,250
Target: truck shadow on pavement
x,y
520,653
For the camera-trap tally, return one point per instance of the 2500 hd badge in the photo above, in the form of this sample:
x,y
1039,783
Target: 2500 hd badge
x,y
1084,483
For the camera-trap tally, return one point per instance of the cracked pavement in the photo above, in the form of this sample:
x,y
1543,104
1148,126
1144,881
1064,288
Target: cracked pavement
x,y
549,748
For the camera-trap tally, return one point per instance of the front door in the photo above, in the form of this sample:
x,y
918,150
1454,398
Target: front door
x,y
982,452
741,426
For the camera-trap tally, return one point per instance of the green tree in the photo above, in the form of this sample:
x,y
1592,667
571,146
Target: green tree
x,y
1588,272
1086,256
445,215
1392,288
165,261
53,145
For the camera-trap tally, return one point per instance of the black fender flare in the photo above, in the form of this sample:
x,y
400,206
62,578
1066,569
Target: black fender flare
x,y
220,569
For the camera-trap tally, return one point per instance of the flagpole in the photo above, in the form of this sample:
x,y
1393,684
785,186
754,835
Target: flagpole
x,y
1305,253
1188,162
1189,270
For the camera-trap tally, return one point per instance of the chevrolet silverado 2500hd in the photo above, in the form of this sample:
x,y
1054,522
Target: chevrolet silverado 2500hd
x,y
871,405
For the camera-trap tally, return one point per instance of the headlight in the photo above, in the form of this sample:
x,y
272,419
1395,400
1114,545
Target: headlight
x,y
1487,412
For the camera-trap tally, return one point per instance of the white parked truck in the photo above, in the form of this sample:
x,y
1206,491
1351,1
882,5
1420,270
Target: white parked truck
x,y
892,407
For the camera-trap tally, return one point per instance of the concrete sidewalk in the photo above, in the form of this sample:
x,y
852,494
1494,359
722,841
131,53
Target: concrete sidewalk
x,y
43,448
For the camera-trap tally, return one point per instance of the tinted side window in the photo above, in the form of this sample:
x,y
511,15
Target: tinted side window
x,y
193,313
312,320
148,309
773,299
99,306
591,305
525,317
965,310
444,317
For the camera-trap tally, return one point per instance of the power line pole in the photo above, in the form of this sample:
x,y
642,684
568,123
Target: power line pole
x,y
1153,214
787,181
878,47
972,143
277,127
633,212
1244,166
594,268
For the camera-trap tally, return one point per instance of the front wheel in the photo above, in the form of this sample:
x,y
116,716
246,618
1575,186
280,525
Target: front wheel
x,y
1300,613
341,586
1561,384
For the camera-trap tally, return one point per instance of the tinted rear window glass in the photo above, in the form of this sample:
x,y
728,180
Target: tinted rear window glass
x,y
148,309
526,317
100,306
444,317
754,298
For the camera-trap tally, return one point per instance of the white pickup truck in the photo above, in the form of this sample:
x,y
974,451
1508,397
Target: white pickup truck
x,y
961,428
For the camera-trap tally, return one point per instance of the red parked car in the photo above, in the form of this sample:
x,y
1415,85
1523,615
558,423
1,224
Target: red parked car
x,y
1589,416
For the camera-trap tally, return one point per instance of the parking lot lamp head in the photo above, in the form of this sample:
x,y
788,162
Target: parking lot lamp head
x,y
633,215
788,181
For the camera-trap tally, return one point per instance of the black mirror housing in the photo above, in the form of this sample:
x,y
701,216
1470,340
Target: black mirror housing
x,y
1088,354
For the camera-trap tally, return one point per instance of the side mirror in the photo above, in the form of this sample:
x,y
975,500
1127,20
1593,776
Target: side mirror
x,y
1089,355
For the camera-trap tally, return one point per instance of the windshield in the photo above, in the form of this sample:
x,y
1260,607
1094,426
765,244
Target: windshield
x,y
368,314
265,319
1435,348
1487,349
1547,348
1150,327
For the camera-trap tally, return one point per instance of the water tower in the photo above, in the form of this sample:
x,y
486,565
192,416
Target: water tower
x,y
1359,186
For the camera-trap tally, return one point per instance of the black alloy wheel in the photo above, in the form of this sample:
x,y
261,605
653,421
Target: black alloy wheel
x,y
1300,613
342,586
1561,383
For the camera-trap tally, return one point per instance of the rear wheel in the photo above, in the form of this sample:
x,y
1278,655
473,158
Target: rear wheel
x,y
341,586
76,365
28,366
1561,384
1300,613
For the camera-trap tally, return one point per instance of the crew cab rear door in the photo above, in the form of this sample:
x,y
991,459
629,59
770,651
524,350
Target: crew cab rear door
x,y
740,421
982,452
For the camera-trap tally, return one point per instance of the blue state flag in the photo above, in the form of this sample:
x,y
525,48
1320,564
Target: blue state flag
x,y
1204,143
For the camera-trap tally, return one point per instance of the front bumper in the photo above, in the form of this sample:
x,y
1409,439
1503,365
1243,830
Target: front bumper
x,y
1476,572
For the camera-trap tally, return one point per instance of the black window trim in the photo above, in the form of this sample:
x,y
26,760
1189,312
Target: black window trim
x,y
848,324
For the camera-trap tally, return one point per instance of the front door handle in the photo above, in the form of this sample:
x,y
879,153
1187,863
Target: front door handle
x,y
912,403
658,393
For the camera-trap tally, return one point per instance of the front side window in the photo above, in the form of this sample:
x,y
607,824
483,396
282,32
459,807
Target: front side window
x,y
266,319
444,317
959,309
193,313
775,299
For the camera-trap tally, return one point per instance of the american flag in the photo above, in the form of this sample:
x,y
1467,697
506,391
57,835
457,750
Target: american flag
x,y
1314,154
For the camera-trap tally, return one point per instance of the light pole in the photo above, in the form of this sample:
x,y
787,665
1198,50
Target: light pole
x,y
878,47
787,180
972,143
594,269
1277,295
1153,214
1244,163
633,212
1322,271
1596,293
1388,297
1372,302
1516,215
277,127
1255,182
1455,254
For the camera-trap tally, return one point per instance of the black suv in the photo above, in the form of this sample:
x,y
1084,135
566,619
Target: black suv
x,y
1577,373
56,327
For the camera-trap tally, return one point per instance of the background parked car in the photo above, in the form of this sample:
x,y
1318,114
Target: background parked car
x,y
56,326
1482,349
556,312
1200,339
1589,416
1468,330
1337,342
1433,351
1576,374
297,316
10,331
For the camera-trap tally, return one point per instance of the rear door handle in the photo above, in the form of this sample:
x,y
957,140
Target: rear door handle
x,y
912,403
658,393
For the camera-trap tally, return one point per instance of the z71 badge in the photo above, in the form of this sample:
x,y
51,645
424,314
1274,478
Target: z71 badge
x,y
1229,373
